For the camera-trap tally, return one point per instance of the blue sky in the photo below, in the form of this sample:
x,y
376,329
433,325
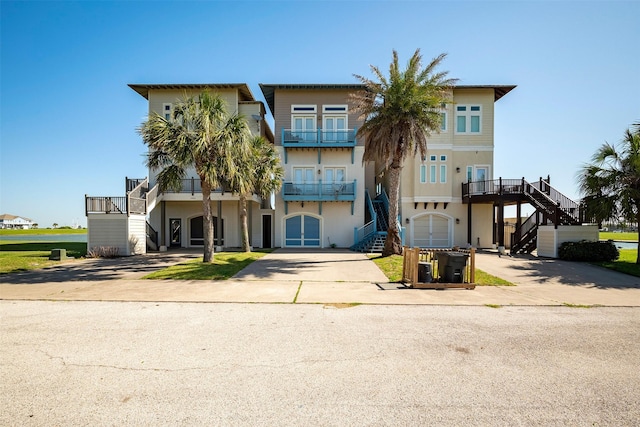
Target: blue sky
x,y
68,120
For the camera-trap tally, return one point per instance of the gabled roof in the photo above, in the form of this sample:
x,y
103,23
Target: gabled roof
x,y
243,88
268,90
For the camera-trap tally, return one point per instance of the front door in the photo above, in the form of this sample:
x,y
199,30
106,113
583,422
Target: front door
x,y
302,231
266,231
175,231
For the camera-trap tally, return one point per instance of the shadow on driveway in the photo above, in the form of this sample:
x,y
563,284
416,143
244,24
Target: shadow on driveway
x,y
97,270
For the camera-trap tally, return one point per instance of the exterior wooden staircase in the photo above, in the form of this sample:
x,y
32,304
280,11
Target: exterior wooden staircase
x,y
551,206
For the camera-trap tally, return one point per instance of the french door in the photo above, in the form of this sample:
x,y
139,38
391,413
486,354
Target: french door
x,y
335,128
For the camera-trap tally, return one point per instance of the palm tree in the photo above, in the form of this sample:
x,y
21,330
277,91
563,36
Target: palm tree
x,y
399,114
201,135
611,182
258,172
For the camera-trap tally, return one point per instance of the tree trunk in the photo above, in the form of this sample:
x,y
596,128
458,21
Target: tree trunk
x,y
638,225
207,221
393,243
243,223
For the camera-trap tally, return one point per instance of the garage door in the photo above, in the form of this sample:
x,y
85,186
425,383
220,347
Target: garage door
x,y
302,231
431,231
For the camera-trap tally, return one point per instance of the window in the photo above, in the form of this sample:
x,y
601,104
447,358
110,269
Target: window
x,y
443,121
334,109
304,108
432,174
166,111
468,119
436,166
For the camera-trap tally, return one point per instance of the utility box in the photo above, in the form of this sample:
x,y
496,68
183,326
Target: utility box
x,y
451,266
58,254
424,272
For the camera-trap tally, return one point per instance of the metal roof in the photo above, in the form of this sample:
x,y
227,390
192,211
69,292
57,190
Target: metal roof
x,y
243,88
268,90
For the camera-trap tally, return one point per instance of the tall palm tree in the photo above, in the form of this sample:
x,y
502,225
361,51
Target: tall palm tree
x,y
610,184
400,112
258,172
201,134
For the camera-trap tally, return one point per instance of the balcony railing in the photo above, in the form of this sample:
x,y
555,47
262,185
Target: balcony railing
x,y
318,138
319,191
192,186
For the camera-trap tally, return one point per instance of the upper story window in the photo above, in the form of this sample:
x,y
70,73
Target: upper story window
x,y
468,119
436,171
166,111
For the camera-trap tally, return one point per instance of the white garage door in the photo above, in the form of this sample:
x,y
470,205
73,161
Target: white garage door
x,y
431,231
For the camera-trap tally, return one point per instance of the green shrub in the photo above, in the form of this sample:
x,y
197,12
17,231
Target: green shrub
x,y
588,251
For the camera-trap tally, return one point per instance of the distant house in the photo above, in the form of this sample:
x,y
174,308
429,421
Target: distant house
x,y
12,221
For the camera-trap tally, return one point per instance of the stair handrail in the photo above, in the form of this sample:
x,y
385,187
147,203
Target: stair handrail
x,y
372,211
523,230
568,206
136,202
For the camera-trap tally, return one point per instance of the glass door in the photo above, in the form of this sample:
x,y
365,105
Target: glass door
x,y
335,129
303,180
304,128
175,228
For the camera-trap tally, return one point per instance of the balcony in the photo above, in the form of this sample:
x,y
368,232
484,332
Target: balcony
x,y
318,139
319,192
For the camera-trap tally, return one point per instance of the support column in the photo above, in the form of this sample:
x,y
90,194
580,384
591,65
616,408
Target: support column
x,y
501,228
219,224
163,226
469,223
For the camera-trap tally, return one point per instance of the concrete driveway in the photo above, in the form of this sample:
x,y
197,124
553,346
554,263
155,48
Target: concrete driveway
x,y
332,265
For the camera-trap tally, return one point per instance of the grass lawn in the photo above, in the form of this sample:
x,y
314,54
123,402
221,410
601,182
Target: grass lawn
x,y
22,256
391,266
607,235
224,266
625,264
40,231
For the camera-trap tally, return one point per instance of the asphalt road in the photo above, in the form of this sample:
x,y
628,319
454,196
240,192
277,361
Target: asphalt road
x,y
107,363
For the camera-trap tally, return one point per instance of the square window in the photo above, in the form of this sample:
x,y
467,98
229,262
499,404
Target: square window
x,y
432,158
443,158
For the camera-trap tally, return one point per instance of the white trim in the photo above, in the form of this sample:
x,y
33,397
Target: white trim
x,y
304,108
431,199
339,109
470,148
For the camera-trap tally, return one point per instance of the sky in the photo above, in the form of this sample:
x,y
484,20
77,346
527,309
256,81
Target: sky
x,y
68,119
